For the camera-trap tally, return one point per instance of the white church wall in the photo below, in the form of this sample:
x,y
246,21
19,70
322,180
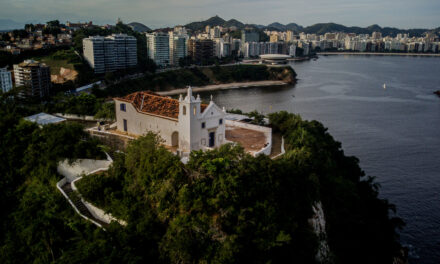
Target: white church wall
x,y
140,123
211,117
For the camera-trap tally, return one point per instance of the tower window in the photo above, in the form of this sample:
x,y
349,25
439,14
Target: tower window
x,y
203,125
220,121
184,110
195,110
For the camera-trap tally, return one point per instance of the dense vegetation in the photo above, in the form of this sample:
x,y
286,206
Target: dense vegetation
x,y
82,104
37,223
358,224
224,206
200,76
8,59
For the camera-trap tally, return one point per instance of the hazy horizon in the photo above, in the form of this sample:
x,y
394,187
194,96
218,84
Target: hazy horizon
x,y
402,14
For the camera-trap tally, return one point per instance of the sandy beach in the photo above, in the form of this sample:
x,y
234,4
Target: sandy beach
x,y
224,86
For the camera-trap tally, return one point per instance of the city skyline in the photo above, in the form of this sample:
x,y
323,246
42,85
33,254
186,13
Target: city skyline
x,y
392,13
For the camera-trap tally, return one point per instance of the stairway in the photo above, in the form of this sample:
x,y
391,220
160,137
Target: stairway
x,y
76,200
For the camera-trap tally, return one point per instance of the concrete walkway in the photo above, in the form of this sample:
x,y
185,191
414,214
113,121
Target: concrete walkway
x,y
80,167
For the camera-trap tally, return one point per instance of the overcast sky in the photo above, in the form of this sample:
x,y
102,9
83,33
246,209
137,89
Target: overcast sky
x,y
161,13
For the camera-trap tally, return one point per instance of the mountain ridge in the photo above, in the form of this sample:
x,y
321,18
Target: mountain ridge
x,y
139,27
318,28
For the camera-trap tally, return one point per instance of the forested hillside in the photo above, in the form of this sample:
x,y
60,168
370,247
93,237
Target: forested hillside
x,y
224,206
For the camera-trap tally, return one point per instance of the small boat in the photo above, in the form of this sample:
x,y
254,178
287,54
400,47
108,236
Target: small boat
x,y
384,86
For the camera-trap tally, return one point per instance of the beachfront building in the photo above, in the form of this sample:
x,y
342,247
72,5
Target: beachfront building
x,y
201,50
5,80
108,54
34,77
185,124
249,36
178,47
158,48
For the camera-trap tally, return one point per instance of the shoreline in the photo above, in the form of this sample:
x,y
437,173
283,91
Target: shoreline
x,y
224,86
380,54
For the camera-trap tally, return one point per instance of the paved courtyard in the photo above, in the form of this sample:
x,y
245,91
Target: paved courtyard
x,y
251,140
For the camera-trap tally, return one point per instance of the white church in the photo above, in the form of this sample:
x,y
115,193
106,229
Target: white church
x,y
185,124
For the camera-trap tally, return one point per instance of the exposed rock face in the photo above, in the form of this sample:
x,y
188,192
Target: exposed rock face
x,y
64,76
288,75
318,224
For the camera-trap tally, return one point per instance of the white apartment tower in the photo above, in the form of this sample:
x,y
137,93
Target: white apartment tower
x,y
126,50
178,47
5,80
158,47
107,54
215,32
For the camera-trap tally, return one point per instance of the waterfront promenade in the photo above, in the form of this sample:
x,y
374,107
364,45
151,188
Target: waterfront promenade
x,y
380,54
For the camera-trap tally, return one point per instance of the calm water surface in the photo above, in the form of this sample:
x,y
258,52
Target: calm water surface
x,y
394,131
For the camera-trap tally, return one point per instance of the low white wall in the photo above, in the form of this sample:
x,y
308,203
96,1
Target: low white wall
x,y
282,146
81,117
81,166
102,132
282,149
61,183
249,126
95,211
266,150
266,130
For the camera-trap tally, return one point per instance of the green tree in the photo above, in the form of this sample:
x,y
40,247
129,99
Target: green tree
x,y
107,111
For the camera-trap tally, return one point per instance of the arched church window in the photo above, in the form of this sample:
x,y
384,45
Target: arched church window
x,y
184,110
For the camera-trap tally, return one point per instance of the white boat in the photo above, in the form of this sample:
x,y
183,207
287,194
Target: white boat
x,y
384,86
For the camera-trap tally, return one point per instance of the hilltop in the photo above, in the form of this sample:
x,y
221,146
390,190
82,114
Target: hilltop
x,y
139,27
319,28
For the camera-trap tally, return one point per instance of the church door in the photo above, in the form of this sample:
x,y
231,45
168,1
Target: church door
x,y
211,139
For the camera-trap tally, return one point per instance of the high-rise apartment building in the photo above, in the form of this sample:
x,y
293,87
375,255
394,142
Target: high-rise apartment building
x,y
34,76
215,32
158,47
377,35
289,36
249,36
125,50
178,47
180,30
107,54
274,37
201,50
225,49
5,80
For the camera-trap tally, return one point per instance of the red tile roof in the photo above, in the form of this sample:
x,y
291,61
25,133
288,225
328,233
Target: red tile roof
x,y
155,104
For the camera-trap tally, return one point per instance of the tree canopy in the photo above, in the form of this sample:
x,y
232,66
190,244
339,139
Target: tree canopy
x,y
223,206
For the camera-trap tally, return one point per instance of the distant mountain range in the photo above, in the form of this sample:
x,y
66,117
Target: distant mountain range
x,y
9,24
320,28
139,27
